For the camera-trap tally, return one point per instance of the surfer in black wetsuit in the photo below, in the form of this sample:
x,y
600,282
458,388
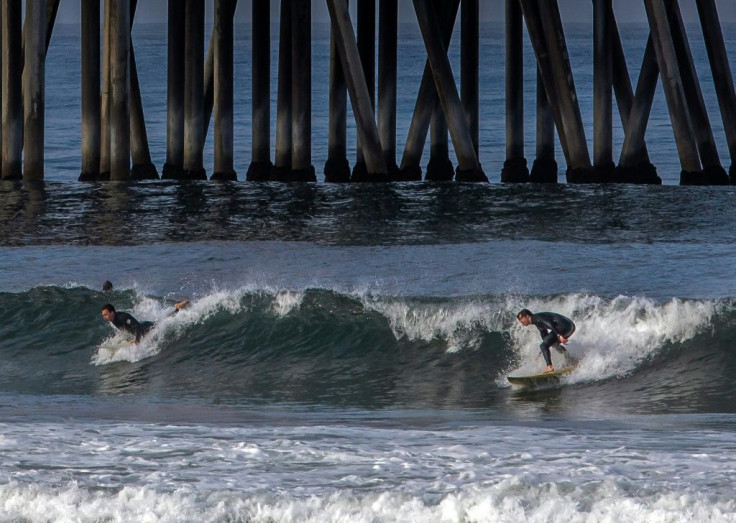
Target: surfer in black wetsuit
x,y
126,322
555,330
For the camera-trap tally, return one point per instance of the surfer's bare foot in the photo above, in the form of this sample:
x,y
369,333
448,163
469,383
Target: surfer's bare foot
x,y
549,369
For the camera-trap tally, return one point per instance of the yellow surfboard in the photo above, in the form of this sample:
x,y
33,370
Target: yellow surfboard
x,y
538,380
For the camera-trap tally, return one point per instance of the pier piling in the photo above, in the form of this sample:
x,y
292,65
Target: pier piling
x,y
260,165
470,66
174,166
12,98
603,90
544,168
515,167
346,43
223,97
366,38
337,167
119,90
674,93
302,169
282,159
194,91
90,91
388,19
721,71
34,74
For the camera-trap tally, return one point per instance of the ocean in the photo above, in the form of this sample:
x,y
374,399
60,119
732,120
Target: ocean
x,y
345,353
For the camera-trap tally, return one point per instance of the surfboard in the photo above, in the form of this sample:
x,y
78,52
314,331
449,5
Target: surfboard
x,y
539,380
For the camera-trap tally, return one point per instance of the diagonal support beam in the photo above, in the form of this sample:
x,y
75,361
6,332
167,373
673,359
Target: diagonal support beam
x,y
468,166
572,121
674,93
622,81
360,98
721,71
424,108
633,151
143,168
696,103
52,8
530,10
209,78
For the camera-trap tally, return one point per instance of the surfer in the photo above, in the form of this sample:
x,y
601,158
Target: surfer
x,y
555,330
126,322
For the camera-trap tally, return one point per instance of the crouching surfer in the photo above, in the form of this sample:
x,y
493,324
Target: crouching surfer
x,y
126,322
555,330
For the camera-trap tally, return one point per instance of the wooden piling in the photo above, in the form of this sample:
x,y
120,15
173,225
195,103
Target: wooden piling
x,y
260,165
1,92
194,90
34,75
359,95
579,167
12,99
468,167
544,168
282,158
119,93
388,16
515,167
439,167
143,168
532,17
427,98
105,95
674,93
641,169
209,77
90,91
470,66
140,152
634,159
366,37
174,166
721,71
223,101
603,91
337,167
713,172
302,169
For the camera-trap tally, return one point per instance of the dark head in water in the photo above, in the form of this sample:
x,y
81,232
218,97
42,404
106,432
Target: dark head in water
x,y
107,286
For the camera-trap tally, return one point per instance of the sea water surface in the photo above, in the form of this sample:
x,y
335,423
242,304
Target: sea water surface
x,y
345,354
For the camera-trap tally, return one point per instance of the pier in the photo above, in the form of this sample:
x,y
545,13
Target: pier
x,y
363,73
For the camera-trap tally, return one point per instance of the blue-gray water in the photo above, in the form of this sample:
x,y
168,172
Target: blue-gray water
x,y
345,352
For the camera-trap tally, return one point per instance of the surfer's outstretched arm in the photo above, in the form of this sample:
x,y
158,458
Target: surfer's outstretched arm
x,y
179,305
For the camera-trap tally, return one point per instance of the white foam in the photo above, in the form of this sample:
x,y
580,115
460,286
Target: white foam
x,y
167,326
508,500
286,301
612,336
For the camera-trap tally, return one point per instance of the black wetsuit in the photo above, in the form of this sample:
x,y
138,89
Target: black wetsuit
x,y
128,323
551,325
